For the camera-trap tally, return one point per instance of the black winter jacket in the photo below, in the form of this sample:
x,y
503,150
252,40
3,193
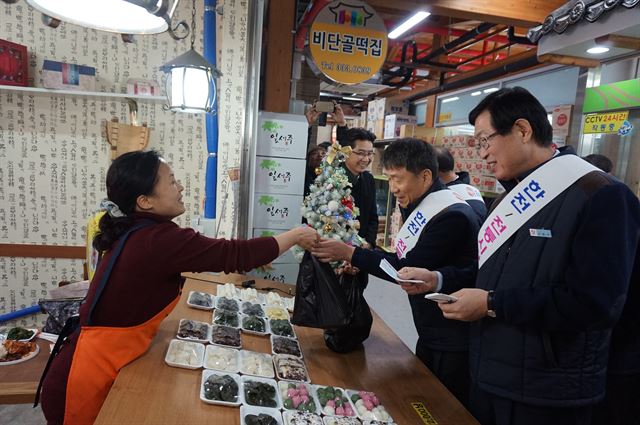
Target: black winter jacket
x,y
447,240
557,298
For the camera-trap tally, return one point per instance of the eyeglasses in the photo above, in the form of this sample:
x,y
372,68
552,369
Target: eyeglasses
x,y
364,154
483,141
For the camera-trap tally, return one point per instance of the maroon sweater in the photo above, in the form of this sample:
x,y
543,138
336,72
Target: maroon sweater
x,y
145,279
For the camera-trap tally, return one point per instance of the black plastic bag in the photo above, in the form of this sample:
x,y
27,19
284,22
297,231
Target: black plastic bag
x,y
351,336
320,301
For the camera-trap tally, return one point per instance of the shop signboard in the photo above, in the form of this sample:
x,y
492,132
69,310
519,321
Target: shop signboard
x,y
280,175
609,97
608,122
347,42
282,135
287,257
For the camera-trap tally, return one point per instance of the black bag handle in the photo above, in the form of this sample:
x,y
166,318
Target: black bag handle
x,y
73,323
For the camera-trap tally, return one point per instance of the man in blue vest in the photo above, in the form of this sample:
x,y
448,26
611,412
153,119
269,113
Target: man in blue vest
x,y
556,258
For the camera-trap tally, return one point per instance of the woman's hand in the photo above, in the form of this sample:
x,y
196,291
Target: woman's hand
x,y
307,237
328,250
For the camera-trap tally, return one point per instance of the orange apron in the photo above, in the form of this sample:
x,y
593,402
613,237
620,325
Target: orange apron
x,y
101,351
99,355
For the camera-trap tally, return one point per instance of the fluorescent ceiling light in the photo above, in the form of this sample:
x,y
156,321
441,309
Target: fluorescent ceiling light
x,y
121,16
597,50
490,89
476,93
450,99
357,99
408,24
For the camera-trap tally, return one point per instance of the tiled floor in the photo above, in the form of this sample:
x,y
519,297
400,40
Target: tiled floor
x,y
387,299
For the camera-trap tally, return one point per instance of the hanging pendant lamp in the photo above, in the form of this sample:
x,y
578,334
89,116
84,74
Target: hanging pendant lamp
x,y
191,85
121,16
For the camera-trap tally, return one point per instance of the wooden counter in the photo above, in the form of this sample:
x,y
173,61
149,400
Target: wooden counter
x,y
148,391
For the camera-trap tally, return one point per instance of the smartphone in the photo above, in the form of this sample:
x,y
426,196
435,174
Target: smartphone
x,y
322,119
438,297
325,106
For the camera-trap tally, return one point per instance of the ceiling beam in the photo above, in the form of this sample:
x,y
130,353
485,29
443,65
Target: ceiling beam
x,y
621,41
569,60
508,12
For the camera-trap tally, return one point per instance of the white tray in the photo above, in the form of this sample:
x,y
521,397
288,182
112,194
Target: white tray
x,y
266,326
271,382
352,392
228,290
220,299
341,420
213,316
294,336
274,337
204,341
199,351
247,409
259,315
286,415
245,296
5,331
274,299
344,393
268,372
279,357
201,307
206,374
211,349
283,311
283,387
213,328
29,356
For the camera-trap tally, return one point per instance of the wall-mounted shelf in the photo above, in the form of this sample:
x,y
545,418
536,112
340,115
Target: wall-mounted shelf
x,y
52,92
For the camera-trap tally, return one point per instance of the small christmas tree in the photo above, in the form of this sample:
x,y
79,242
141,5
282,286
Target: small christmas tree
x,y
329,207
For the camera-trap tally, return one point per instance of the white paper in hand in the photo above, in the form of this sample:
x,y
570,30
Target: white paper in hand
x,y
393,273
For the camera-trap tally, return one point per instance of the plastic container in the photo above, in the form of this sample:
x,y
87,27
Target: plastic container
x,y
275,300
226,318
228,290
277,330
206,374
243,322
311,418
293,397
290,368
223,359
222,335
377,413
252,309
284,345
247,409
209,299
247,379
335,420
206,335
276,313
256,364
225,303
331,410
252,295
185,354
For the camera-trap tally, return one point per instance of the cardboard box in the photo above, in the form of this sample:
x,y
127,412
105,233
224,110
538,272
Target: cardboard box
x,y
14,64
68,76
143,88
272,211
282,135
378,129
393,122
287,257
284,273
376,164
280,175
372,111
387,106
